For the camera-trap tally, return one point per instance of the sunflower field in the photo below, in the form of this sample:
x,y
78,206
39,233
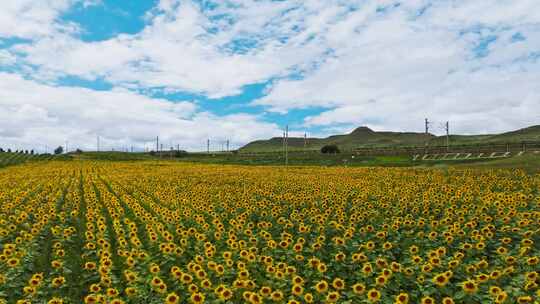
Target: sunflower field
x,y
159,232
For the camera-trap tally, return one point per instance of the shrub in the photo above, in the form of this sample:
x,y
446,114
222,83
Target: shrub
x,y
330,149
180,153
59,150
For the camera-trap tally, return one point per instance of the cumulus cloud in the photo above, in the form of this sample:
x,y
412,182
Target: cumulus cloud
x,y
183,49
397,64
386,63
34,115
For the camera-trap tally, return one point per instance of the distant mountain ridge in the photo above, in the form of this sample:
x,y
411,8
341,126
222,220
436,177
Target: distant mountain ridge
x,y
362,137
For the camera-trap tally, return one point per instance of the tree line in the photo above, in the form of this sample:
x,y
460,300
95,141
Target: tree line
x,y
58,150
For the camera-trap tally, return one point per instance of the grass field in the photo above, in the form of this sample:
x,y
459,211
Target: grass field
x,y
169,232
529,162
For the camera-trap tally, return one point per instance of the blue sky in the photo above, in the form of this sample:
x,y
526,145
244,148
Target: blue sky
x,y
242,70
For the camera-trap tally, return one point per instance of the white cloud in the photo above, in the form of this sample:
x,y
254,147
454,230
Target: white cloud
x,y
31,19
6,58
34,115
88,3
178,51
392,69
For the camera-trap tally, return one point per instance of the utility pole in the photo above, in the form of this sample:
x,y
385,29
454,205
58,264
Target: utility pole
x,y
227,145
286,145
157,144
447,127
427,132
283,144
208,146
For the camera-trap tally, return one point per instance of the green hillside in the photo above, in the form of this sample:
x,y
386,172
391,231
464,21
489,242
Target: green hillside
x,y
526,134
363,137
360,137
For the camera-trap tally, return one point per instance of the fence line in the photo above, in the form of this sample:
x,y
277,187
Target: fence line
x,y
464,148
413,150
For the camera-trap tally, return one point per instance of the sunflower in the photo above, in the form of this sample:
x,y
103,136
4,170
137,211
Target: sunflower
x,y
427,300
112,292
367,268
440,280
13,262
55,300
308,298
524,299
277,295
359,288
494,290
58,281
254,298
225,294
321,286
130,292
469,286
447,300
402,298
332,297
501,297
29,290
90,299
265,291
89,265
172,298
338,284
297,290
373,295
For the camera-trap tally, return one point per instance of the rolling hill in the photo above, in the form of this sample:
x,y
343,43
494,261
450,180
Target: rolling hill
x,y
363,137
